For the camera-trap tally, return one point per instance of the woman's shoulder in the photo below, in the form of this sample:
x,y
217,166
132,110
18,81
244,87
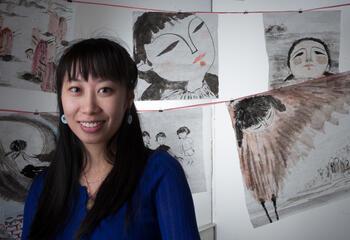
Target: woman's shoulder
x,y
160,162
163,159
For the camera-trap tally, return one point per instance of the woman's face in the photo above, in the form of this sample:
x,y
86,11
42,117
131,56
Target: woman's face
x,y
95,108
182,51
309,59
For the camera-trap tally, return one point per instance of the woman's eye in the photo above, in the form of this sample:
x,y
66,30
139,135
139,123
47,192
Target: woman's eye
x,y
169,48
74,89
105,90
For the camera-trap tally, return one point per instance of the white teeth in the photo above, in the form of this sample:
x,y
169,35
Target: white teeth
x,y
91,124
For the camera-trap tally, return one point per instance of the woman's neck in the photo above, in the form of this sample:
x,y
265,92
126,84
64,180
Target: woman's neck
x,y
97,164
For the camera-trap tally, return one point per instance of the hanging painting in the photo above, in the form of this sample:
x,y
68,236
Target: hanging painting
x,y
176,55
181,134
31,34
294,146
301,46
26,144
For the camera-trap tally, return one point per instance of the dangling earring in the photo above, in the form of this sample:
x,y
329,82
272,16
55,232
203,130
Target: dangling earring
x,y
63,119
129,118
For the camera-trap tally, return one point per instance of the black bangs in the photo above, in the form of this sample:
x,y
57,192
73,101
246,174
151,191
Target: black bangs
x,y
100,58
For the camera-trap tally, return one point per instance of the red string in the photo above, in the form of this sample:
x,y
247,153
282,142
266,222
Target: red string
x,y
327,7
26,112
119,6
245,12
158,10
184,107
140,111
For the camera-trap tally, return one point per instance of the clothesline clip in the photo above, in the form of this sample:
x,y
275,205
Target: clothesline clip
x,y
36,112
245,12
300,10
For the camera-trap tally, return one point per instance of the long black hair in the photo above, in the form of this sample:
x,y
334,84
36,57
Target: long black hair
x,y
126,151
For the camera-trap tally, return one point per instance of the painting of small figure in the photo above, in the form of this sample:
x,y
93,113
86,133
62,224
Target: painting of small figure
x,y
161,142
26,143
6,41
32,34
186,145
146,139
293,146
301,46
170,131
176,55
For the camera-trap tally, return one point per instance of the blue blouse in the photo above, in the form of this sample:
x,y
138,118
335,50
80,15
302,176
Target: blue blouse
x,y
166,210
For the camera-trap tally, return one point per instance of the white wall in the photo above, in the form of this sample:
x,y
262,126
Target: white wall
x,y
243,70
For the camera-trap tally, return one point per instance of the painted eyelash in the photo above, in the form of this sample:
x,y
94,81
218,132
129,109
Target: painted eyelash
x,y
299,54
198,27
169,48
319,53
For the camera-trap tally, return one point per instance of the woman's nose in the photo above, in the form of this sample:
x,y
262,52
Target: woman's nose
x,y
90,104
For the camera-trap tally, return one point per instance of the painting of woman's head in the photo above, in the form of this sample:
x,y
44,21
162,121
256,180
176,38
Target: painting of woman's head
x,y
173,50
301,47
308,58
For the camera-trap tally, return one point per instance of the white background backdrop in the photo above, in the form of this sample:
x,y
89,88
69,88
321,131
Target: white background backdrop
x,y
243,70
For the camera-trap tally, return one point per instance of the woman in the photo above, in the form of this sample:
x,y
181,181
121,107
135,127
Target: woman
x,y
308,58
103,182
174,53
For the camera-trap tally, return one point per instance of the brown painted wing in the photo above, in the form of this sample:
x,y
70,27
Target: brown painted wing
x,y
275,129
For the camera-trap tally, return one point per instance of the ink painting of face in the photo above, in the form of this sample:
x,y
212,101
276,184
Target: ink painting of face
x,y
182,135
161,140
182,51
146,140
309,59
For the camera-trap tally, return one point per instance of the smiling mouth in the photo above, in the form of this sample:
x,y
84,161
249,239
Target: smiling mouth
x,y
91,124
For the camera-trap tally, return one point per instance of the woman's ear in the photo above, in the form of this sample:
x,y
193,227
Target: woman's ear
x,y
130,98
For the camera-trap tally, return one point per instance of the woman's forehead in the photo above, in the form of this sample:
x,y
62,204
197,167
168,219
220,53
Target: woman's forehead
x,y
78,77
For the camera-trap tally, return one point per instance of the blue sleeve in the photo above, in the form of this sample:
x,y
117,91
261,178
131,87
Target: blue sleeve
x,y
31,205
175,209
